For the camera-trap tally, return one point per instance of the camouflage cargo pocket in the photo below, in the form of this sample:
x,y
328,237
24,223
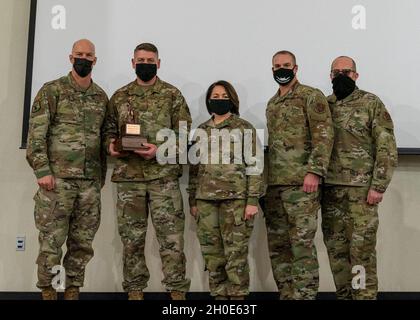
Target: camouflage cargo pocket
x,y
45,204
177,202
242,231
241,225
131,201
238,212
170,186
134,210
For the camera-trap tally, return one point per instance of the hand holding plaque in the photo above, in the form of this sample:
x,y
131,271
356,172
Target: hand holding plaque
x,y
131,137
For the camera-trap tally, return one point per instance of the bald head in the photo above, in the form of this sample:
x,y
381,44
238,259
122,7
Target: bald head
x,y
343,61
84,45
344,65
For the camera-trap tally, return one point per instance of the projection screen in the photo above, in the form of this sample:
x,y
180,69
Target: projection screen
x,y
204,41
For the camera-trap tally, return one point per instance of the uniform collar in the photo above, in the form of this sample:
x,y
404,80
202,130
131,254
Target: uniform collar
x,y
223,124
89,91
136,89
354,95
292,90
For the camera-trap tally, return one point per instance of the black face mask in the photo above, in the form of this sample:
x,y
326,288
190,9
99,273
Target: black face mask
x,y
146,71
283,76
220,106
83,67
343,86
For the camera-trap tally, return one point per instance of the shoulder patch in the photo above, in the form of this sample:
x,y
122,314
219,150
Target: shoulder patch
x,y
320,108
387,116
36,107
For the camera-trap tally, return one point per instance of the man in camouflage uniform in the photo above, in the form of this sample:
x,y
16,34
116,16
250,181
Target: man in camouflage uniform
x,y
300,142
143,183
64,150
362,163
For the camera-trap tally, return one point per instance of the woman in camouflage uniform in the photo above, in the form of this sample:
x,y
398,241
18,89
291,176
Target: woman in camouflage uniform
x,y
224,190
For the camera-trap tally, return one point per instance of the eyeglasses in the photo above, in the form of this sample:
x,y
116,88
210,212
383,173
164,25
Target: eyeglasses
x,y
345,72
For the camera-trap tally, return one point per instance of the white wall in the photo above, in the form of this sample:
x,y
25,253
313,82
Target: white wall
x,y
398,239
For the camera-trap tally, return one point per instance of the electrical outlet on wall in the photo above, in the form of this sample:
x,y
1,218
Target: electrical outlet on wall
x,y
20,243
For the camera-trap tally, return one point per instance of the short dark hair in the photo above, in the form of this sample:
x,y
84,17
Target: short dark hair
x,y
285,52
147,47
230,90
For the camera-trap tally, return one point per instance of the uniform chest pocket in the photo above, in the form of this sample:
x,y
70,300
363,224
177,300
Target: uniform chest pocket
x,y
295,116
237,147
275,120
270,114
161,109
294,127
94,110
68,110
358,122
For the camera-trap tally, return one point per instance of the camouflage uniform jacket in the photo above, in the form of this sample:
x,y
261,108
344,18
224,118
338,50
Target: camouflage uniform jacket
x,y
222,181
365,152
300,135
65,131
160,106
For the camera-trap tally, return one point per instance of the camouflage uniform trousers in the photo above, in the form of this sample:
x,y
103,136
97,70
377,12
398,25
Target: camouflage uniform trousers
x,y
349,225
291,220
224,236
163,198
71,211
